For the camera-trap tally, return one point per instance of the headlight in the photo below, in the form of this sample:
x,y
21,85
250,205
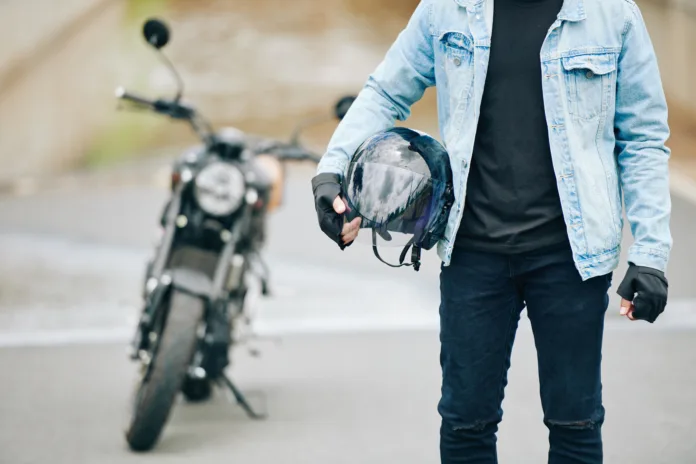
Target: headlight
x,y
219,188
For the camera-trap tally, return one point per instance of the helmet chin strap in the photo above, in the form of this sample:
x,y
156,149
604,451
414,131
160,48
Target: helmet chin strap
x,y
415,253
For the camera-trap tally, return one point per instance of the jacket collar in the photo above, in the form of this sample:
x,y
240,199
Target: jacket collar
x,y
572,10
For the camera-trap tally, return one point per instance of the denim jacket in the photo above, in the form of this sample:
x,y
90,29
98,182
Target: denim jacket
x,y
605,109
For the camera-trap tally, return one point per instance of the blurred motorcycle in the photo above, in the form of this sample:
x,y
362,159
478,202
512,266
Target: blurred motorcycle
x,y
197,283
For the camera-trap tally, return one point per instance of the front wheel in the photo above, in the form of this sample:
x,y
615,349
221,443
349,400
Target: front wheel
x,y
197,390
158,391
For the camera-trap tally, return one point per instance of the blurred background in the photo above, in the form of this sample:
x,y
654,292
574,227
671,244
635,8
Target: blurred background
x,y
349,368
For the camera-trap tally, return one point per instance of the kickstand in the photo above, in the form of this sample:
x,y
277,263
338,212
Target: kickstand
x,y
240,398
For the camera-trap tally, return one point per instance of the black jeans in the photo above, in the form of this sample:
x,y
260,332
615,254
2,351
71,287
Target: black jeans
x,y
482,296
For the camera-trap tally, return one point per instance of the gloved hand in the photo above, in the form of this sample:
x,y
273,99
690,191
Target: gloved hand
x,y
643,292
330,209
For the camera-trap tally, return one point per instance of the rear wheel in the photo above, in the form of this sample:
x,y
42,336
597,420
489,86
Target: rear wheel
x,y
158,391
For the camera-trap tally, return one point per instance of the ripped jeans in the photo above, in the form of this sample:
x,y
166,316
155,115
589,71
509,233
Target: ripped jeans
x,y
482,296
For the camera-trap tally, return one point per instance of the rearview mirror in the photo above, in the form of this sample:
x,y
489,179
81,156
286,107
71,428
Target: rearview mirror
x,y
156,33
343,105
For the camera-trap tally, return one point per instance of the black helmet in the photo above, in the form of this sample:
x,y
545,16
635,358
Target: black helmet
x,y
400,181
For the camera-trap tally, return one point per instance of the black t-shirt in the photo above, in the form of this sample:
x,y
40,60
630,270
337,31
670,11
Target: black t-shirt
x,y
512,203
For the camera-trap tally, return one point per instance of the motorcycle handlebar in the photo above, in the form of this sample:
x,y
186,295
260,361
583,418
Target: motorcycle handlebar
x,y
122,94
293,153
173,109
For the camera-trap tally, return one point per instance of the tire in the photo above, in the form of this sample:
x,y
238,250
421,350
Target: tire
x,y
197,390
155,398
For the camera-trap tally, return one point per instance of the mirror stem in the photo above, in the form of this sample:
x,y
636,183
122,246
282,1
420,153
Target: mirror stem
x,y
172,69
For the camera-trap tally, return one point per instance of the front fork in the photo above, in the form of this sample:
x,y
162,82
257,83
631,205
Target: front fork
x,y
228,279
157,281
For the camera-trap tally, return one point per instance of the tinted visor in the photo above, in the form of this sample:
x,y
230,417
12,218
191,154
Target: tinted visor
x,y
395,201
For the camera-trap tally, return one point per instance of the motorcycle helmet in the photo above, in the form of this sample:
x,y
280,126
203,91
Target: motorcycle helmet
x,y
399,181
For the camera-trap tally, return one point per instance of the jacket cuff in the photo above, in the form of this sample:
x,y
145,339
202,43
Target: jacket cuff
x,y
330,166
649,257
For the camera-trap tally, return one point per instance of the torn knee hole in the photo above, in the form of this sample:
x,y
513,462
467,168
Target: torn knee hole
x,y
476,426
574,425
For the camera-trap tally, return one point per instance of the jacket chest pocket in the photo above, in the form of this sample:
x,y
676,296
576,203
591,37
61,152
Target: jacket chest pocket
x,y
458,56
590,80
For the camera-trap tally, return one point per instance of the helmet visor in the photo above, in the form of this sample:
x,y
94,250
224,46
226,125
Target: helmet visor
x,y
397,202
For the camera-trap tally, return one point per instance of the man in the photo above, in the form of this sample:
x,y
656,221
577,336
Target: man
x,y
549,110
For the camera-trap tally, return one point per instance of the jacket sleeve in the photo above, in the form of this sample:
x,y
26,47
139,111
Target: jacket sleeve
x,y
397,83
641,131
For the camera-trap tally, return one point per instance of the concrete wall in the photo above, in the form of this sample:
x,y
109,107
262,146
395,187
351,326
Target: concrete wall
x,y
56,59
61,60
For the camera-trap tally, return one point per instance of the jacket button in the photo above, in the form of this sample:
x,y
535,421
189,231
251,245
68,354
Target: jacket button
x,y
457,62
589,74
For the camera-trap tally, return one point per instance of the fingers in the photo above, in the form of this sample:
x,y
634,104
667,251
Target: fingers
x,y
339,206
350,230
625,306
627,309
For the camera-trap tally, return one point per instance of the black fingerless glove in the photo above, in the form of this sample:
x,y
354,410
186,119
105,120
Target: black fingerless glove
x,y
647,289
326,188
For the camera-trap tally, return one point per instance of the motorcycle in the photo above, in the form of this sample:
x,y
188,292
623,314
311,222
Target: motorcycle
x,y
196,285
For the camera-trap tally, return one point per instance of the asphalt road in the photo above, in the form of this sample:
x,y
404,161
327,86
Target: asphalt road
x,y
349,371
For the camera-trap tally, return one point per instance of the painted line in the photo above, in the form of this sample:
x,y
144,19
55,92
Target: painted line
x,y
262,328
52,338
679,316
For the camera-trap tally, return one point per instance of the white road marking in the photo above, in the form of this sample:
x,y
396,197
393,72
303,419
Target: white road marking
x,y
680,315
87,293
95,336
263,328
104,308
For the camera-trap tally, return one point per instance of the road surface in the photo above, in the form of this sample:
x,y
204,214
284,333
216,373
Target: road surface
x,y
349,368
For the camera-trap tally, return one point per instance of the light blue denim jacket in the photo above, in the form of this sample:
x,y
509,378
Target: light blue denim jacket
x,y
605,109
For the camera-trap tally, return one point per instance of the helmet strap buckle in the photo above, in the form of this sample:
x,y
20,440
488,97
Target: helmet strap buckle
x,y
415,253
415,257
